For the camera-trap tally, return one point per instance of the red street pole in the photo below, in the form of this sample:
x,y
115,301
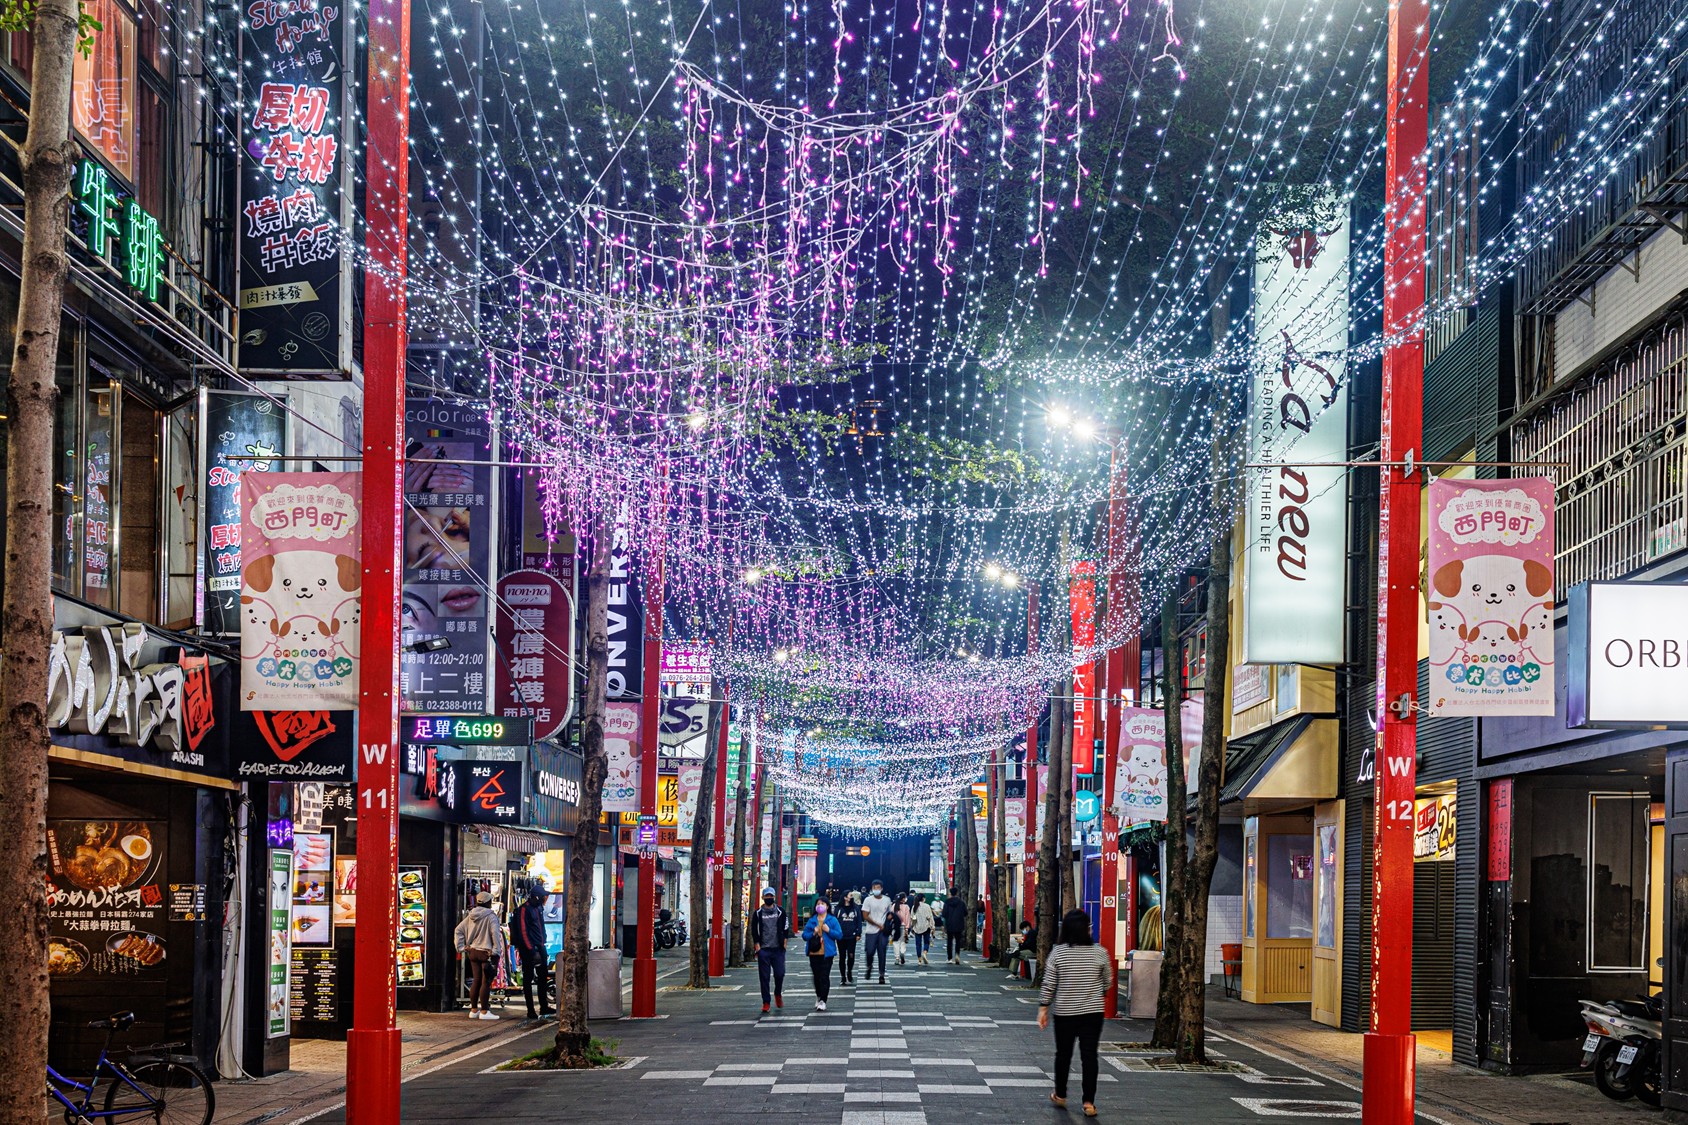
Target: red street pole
x,y
1031,766
718,855
644,959
372,1044
1389,1045
990,856
1121,616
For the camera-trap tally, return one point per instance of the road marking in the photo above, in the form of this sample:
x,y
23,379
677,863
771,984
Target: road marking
x,y
1285,1107
882,1117
687,1075
948,1088
748,1081
809,1088
879,1074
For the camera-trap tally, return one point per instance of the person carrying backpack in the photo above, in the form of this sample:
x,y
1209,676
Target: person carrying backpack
x,y
768,931
850,923
820,941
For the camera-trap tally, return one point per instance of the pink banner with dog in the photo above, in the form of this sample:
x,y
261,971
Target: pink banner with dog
x,y
301,582
1489,598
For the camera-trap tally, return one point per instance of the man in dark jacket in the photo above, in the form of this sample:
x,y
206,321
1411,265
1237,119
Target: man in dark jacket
x,y
955,922
527,937
850,921
768,930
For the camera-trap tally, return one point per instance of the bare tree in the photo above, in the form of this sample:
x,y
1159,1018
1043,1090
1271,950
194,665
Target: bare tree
x,y
574,1036
26,619
735,947
1049,848
755,858
703,846
1174,901
967,848
999,870
1064,829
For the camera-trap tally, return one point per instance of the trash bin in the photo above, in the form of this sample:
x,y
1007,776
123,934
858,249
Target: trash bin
x,y
603,984
1144,993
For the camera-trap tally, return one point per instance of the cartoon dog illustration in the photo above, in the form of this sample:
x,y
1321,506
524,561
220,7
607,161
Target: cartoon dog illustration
x,y
309,605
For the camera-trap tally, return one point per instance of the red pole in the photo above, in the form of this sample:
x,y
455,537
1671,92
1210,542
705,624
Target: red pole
x,y
644,959
990,856
1031,766
1389,1046
718,855
372,1044
1121,617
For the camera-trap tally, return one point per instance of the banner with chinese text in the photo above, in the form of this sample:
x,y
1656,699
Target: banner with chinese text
x,y
1140,774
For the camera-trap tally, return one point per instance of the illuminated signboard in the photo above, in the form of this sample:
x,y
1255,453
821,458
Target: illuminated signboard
x,y
467,730
117,225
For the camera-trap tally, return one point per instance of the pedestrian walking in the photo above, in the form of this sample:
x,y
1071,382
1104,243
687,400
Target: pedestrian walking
x,y
480,942
1074,982
527,936
768,931
850,923
921,923
876,917
955,925
820,939
899,930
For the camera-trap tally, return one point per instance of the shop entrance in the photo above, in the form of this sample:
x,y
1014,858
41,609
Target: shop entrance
x,y
1278,910
1433,916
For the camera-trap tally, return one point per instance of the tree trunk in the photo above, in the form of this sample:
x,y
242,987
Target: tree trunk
x,y
1049,849
26,622
1069,886
703,846
755,861
1174,887
999,872
993,798
967,867
776,846
574,1036
735,947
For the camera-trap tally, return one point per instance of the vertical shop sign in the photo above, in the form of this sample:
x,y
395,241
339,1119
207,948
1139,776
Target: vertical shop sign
x,y
1499,866
626,627
280,904
242,433
1295,557
1083,597
1490,597
448,513
535,672
295,290
301,587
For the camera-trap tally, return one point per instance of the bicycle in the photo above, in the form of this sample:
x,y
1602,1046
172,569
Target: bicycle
x,y
154,1085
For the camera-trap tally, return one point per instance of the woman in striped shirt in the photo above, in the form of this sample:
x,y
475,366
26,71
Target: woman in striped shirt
x,y
1074,983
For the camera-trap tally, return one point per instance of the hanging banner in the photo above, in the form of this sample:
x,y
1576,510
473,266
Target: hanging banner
x,y
690,781
621,746
1140,774
295,288
535,675
1014,832
626,621
1490,597
1083,597
242,432
301,584
1295,561
448,514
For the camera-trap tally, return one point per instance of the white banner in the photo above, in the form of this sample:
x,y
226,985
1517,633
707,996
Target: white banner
x,y
621,746
1295,557
1014,834
1140,771
691,781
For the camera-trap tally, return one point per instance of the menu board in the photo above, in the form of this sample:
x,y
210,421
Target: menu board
x,y
280,906
313,985
105,905
187,902
413,926
313,887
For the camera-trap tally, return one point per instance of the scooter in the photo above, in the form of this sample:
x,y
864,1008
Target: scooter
x,y
1623,1046
680,936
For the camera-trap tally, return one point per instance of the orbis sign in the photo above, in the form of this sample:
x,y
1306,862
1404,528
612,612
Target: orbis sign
x,y
1628,663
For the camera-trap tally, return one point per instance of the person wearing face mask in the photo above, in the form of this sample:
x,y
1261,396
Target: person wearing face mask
x,y
876,914
850,922
768,931
820,940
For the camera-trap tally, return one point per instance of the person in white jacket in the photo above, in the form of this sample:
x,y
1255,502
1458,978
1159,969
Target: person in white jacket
x,y
480,942
922,924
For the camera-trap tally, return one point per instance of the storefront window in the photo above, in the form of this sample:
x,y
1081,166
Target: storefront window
x,y
99,438
1289,886
67,469
1325,938
1617,932
181,516
103,87
1249,881
139,479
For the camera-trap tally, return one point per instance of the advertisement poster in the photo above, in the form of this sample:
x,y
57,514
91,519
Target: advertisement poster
x,y
301,585
345,890
621,745
238,425
536,626
313,888
294,745
1140,773
295,296
1082,588
689,781
1489,597
106,906
448,512
280,905
1014,835
1296,552
413,926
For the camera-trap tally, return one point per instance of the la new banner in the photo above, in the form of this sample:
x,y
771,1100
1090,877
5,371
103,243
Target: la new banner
x,y
301,578
1490,597
1140,791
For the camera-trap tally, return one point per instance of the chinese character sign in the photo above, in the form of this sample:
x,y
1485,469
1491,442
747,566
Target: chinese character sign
x,y
301,587
294,294
535,676
242,432
1489,597
448,512
1083,598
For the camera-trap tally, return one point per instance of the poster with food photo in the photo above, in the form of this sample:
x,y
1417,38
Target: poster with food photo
x,y
313,888
105,898
413,926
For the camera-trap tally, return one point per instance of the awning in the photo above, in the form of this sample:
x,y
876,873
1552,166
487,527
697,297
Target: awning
x,y
1285,765
515,840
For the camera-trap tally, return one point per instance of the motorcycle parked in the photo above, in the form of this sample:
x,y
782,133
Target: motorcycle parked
x,y
665,935
680,936
1623,1046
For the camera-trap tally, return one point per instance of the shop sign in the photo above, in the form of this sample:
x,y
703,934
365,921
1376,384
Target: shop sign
x,y
1499,866
1490,597
466,730
647,831
625,623
1628,663
428,783
1433,829
1014,833
120,228
689,781
1140,789
547,543
490,792
106,905
1295,557
535,676
621,747
295,745
1082,593
554,777
280,912
1086,805
241,432
295,260
1251,685
449,506
301,588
